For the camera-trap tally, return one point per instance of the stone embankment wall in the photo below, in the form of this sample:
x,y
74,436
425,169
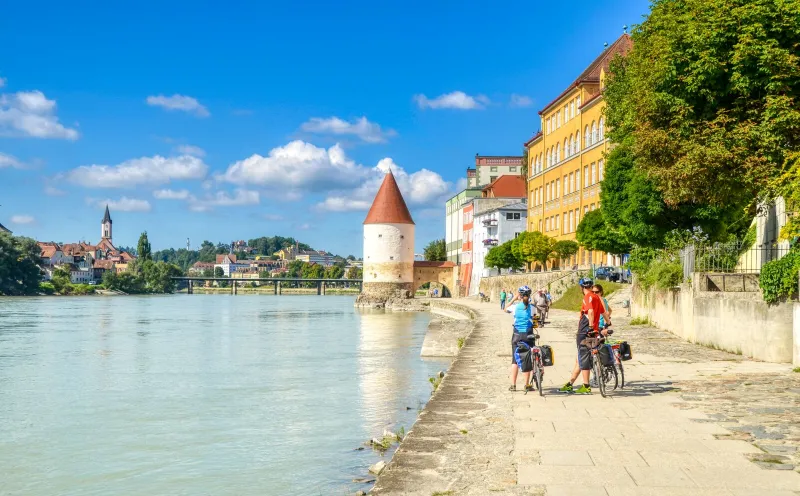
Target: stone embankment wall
x,y
739,322
557,281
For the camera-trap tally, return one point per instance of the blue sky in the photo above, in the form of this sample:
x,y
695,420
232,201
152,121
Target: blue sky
x,y
205,121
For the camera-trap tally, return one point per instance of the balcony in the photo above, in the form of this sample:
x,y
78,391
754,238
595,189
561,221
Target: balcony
x,y
490,222
490,242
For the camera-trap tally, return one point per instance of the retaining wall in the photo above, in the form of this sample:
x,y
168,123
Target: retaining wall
x,y
557,281
734,322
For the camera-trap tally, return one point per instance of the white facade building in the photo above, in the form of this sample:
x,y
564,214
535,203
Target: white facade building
x,y
492,228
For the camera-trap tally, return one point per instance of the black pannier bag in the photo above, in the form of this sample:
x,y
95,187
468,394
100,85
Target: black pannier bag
x,y
606,355
523,357
548,359
625,351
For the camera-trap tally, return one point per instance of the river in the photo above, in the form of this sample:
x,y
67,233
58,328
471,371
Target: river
x,y
201,394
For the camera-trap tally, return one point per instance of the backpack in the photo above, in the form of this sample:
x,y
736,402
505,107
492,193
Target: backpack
x,y
606,355
522,355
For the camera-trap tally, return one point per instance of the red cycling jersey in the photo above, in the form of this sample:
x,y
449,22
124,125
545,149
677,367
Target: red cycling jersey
x,y
595,303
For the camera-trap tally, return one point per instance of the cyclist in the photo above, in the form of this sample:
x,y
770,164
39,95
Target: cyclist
x,y
541,305
589,323
598,290
523,327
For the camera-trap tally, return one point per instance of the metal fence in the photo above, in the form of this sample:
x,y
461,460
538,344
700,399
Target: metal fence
x,y
733,257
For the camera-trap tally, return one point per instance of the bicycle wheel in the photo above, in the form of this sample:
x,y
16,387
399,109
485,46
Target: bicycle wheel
x,y
621,375
611,374
598,373
537,377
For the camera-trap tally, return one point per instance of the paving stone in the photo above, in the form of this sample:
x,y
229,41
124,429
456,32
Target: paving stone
x,y
562,490
567,458
568,476
617,458
660,476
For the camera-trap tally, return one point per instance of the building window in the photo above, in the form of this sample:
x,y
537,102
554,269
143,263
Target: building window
x,y
600,170
571,183
602,128
380,235
540,225
493,169
556,227
516,234
578,105
594,132
516,216
572,221
594,172
558,154
586,142
586,182
577,180
558,119
572,109
558,186
512,169
492,179
509,216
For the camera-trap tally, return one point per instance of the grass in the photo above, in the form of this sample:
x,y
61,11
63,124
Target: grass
x,y
640,321
460,343
435,382
442,493
796,369
573,297
463,431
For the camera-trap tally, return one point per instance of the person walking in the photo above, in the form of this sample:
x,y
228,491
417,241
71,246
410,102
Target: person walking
x,y
522,328
589,323
502,299
540,300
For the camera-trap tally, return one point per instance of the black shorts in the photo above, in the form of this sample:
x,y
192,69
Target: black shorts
x,y
516,337
584,353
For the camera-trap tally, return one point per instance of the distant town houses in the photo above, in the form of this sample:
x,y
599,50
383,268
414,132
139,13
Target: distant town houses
x,y
86,262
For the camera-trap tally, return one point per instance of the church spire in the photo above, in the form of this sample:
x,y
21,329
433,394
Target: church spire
x,y
107,216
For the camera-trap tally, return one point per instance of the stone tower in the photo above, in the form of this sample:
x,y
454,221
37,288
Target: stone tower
x,y
388,246
105,229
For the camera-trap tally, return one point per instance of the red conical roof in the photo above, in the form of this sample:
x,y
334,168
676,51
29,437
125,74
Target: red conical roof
x,y
389,206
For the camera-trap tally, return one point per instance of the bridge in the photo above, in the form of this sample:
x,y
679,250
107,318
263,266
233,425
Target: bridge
x,y
278,283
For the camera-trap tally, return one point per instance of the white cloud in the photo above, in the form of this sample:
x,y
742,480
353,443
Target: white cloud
x,y
124,204
179,102
10,161
367,131
192,150
22,219
31,114
454,100
297,165
171,194
145,170
461,183
304,227
52,191
240,197
273,217
521,100
421,188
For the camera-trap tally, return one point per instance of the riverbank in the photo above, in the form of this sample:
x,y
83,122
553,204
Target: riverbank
x,y
689,421
270,291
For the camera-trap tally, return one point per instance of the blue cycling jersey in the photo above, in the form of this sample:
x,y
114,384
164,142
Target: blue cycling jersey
x,y
522,318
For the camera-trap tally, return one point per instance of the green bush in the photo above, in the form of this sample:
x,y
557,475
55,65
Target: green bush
x,y
47,288
663,273
778,280
81,289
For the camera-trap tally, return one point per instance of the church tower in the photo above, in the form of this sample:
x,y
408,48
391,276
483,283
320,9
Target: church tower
x,y
105,230
388,245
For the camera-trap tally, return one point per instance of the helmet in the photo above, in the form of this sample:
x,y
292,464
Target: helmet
x,y
524,291
586,282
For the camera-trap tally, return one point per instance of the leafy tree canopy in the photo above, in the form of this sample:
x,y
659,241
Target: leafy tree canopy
x,y
708,98
565,249
143,248
436,251
594,234
533,247
503,257
19,265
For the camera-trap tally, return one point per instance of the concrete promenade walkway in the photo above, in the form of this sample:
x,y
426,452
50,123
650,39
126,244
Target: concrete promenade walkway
x,y
644,440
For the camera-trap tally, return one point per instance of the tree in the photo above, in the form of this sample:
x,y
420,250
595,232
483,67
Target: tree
x,y
564,249
533,247
143,248
334,272
61,279
594,234
208,272
218,272
354,273
707,99
19,265
524,166
436,251
503,257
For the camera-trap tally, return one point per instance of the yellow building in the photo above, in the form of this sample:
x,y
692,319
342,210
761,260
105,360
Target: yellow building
x,y
566,158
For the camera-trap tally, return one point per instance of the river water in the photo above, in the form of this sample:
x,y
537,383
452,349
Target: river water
x,y
201,394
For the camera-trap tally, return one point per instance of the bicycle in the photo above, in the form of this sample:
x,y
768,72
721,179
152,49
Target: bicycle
x,y
618,362
537,372
602,373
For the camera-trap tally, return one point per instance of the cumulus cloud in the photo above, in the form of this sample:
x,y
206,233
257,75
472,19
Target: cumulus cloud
x,y
52,191
521,100
145,170
297,165
22,219
10,161
178,102
31,114
171,194
362,128
192,150
124,204
239,197
421,188
454,100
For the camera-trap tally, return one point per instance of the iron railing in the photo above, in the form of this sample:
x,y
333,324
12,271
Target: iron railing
x,y
731,257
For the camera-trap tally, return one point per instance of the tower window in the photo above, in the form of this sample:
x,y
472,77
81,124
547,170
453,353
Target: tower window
x,y
380,235
402,237
391,258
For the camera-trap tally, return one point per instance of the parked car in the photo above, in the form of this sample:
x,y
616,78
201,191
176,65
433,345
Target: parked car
x,y
607,274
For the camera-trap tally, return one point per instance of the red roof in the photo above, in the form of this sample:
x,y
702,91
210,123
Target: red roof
x,y
220,258
389,206
506,186
592,73
534,138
